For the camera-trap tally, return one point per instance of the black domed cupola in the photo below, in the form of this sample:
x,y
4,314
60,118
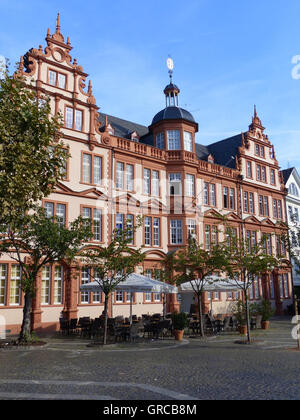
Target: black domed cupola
x,y
173,128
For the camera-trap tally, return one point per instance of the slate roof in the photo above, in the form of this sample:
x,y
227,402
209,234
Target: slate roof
x,y
286,174
222,151
123,128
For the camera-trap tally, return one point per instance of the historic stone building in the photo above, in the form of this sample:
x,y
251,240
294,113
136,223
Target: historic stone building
x,y
119,170
292,183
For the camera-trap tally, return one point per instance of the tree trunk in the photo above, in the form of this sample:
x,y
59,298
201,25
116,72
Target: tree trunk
x,y
247,318
26,324
199,295
105,321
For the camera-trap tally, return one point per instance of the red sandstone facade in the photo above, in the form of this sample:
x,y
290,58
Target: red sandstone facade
x,y
159,172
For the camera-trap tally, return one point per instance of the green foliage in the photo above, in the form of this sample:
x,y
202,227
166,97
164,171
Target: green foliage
x,y
115,262
239,311
265,309
32,158
44,241
180,321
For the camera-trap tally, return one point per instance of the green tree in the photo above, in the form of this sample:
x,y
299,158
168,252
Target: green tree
x,y
245,262
197,266
38,241
113,264
32,156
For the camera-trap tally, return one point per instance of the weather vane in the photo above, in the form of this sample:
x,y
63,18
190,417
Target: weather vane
x,y
170,65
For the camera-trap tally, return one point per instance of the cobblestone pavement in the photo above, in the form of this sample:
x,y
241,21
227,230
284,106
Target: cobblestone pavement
x,y
157,370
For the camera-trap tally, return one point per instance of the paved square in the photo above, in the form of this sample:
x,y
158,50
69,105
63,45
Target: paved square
x,y
157,370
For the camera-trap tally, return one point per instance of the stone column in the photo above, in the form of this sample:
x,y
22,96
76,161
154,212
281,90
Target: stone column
x,y
71,290
36,311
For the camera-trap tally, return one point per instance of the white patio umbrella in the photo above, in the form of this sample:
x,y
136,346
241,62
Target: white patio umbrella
x,y
135,283
214,284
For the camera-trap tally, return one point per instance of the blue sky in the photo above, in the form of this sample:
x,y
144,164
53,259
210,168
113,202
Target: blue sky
x,y
229,55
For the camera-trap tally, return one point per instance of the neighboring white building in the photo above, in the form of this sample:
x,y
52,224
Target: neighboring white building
x,y
292,183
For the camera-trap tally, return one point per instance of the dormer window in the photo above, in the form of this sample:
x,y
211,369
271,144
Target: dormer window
x,y
174,140
135,137
188,141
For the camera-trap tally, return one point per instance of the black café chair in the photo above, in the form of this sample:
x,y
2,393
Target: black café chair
x,y
73,326
64,326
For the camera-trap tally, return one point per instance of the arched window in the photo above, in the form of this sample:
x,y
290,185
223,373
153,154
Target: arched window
x,y
294,190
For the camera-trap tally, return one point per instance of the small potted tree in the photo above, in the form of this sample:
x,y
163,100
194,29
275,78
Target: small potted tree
x,y
180,321
239,313
266,311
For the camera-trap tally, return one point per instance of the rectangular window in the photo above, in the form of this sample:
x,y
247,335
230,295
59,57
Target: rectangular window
x,y
78,120
263,174
226,197
206,193
61,81
262,151
251,203
119,296
272,176
279,209
97,296
119,221
246,202
188,141
156,231
190,185
232,198
261,205
15,285
61,214
58,285
191,228
129,177
49,208
157,297
266,206
87,169
257,149
85,278
97,225
52,78
175,184
173,140
275,210
148,230
249,170
120,176
160,141
69,118
3,283
97,170
147,181
176,232
155,183
45,288
209,194
129,227
212,195
148,297
258,173
207,238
